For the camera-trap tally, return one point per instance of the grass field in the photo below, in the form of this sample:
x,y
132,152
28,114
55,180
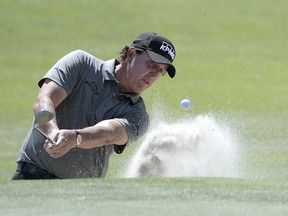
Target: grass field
x,y
145,197
231,62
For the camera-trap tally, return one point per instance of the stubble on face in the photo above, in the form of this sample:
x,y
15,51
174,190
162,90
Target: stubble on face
x,y
137,72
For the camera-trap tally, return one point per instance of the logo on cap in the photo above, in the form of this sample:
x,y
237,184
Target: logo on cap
x,y
166,47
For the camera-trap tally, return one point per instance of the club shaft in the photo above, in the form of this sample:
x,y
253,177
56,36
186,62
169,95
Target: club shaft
x,y
45,135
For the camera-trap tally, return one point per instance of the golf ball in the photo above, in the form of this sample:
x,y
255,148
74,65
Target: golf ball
x,y
185,104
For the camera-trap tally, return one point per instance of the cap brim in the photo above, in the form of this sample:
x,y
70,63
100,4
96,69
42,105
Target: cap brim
x,y
161,60
171,71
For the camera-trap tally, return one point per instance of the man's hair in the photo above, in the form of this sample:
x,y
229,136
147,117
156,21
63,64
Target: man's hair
x,y
124,52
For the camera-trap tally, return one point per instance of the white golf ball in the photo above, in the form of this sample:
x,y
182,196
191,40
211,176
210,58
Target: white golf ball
x,y
185,104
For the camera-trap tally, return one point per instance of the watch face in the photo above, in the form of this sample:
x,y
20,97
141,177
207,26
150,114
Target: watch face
x,y
79,139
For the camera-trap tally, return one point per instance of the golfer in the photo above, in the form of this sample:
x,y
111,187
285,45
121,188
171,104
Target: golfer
x,y
97,109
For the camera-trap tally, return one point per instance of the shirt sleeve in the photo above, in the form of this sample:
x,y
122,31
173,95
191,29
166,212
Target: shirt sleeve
x,y
67,70
135,122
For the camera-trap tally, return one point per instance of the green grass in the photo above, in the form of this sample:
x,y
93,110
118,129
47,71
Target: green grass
x,y
231,62
145,197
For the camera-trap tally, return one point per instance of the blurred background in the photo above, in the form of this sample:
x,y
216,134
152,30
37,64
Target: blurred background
x,y
231,60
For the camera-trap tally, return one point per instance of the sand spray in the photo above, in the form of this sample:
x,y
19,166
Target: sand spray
x,y
195,146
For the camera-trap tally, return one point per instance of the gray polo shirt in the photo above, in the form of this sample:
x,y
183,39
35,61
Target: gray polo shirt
x,y
93,96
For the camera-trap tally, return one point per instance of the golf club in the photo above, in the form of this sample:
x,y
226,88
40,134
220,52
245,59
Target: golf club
x,y
42,118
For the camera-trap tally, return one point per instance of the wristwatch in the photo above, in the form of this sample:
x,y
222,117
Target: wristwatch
x,y
78,138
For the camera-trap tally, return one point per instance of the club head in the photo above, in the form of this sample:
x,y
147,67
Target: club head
x,y
42,118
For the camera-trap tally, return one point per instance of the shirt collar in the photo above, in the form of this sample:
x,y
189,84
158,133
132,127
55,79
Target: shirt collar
x,y
109,75
109,69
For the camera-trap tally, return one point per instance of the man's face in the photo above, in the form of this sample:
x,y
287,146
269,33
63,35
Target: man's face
x,y
142,72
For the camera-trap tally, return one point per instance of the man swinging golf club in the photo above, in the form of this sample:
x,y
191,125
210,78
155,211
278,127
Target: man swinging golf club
x,y
96,109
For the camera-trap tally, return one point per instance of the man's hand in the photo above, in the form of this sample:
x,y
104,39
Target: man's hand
x,y
64,141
